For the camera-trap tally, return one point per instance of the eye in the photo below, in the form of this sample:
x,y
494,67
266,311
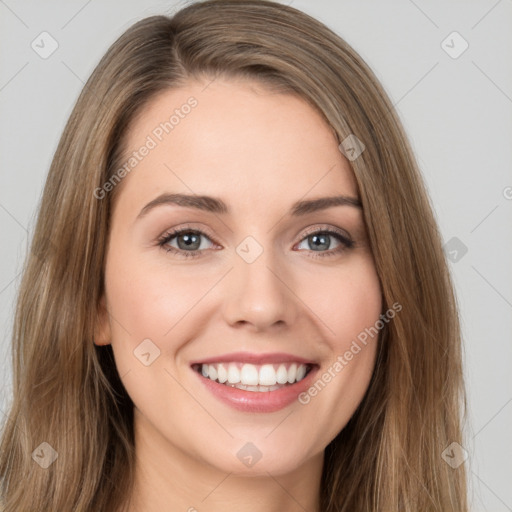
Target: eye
x,y
188,240
322,240
189,243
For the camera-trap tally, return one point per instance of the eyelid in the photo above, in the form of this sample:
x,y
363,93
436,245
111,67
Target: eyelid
x,y
315,228
187,227
342,236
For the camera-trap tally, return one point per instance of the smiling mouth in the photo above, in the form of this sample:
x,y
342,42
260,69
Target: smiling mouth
x,y
253,377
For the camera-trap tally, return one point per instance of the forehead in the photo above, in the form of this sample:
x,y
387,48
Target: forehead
x,y
237,140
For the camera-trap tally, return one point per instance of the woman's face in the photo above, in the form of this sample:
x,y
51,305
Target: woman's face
x,y
253,293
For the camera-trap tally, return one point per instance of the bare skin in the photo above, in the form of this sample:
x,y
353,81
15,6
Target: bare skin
x,y
259,152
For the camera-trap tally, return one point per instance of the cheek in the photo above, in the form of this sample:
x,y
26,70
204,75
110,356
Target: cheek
x,y
346,301
147,301
149,313
350,308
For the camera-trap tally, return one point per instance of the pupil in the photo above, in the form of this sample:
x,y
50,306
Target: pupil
x,y
316,238
189,240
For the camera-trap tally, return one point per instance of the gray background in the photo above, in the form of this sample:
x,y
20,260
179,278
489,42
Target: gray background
x,y
457,112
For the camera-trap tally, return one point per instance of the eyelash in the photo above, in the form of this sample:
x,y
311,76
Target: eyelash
x,y
346,243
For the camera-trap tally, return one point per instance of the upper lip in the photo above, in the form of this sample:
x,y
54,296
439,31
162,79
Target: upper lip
x,y
251,358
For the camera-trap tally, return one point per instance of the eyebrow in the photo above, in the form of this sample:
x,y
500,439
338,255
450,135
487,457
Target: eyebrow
x,y
216,205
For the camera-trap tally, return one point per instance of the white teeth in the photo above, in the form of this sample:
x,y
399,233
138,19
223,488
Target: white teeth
x,y
282,375
249,375
254,377
212,372
301,372
267,375
292,373
233,374
222,373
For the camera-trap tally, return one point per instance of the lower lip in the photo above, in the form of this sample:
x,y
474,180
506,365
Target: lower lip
x,y
256,401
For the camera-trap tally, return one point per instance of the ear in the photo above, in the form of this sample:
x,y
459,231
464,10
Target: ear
x,y
102,332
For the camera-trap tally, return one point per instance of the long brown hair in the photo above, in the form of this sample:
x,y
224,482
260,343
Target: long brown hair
x,y
67,391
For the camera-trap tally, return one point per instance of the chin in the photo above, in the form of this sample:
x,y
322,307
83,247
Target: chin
x,y
258,459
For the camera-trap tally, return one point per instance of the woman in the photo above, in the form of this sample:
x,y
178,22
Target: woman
x,y
255,370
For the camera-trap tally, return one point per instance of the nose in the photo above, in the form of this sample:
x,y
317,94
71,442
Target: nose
x,y
259,294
